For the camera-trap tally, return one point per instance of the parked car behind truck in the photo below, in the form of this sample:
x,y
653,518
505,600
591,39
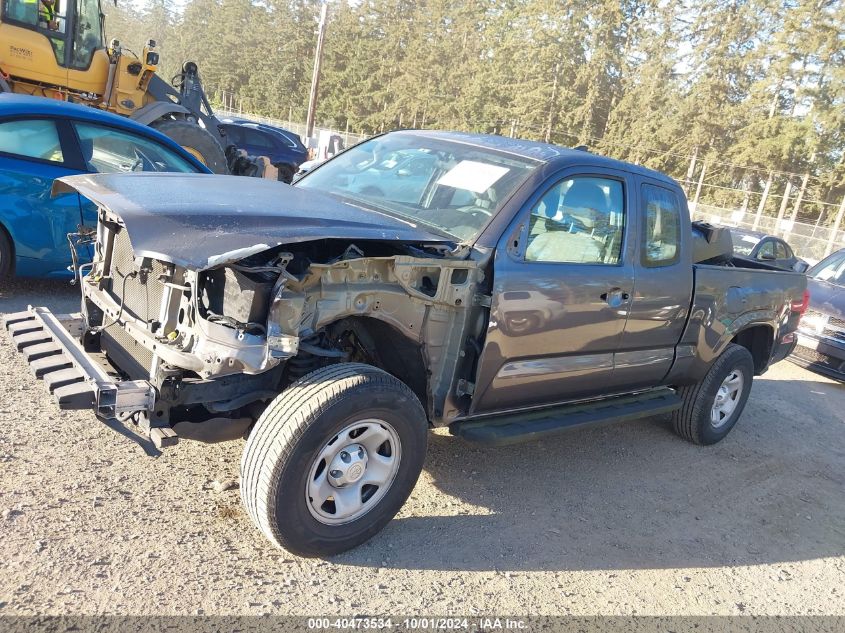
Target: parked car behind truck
x,y
335,326
821,333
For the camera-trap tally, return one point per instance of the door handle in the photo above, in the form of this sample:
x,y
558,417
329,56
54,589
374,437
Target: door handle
x,y
615,296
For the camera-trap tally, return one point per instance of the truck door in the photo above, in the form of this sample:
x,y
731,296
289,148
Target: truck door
x,y
663,281
563,278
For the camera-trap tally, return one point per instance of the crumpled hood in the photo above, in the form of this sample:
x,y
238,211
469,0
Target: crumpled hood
x,y
201,221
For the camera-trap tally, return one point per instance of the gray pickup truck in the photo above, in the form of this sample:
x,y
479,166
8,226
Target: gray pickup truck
x,y
506,289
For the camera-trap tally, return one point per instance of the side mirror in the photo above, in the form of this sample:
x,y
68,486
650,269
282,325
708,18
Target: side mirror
x,y
801,267
767,257
403,172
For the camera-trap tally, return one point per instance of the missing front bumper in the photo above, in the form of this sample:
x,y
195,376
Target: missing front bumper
x,y
50,344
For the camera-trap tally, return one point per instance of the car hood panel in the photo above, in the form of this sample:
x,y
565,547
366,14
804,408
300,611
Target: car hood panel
x,y
200,221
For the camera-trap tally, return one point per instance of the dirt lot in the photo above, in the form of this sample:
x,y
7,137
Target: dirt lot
x,y
619,520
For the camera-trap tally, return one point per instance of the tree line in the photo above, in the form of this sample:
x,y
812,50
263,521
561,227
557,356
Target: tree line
x,y
750,90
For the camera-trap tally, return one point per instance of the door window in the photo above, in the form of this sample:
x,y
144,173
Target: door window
x,y
37,138
832,270
662,227
767,250
257,139
579,220
46,15
108,151
780,251
88,33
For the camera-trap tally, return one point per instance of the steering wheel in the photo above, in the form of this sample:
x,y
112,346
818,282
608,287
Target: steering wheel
x,y
474,210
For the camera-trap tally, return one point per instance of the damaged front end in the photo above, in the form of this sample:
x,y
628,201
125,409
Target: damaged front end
x,y
216,336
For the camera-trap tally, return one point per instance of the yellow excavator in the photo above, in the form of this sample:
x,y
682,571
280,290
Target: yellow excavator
x,y
55,49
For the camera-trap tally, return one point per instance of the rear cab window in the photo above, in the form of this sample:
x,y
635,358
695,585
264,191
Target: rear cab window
x,y
661,226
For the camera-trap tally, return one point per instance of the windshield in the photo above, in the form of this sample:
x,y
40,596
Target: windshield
x,y
744,243
449,187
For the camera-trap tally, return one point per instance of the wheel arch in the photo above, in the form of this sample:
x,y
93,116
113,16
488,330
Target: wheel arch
x,y
406,360
5,232
154,111
758,339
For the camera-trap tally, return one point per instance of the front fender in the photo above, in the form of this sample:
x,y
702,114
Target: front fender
x,y
154,111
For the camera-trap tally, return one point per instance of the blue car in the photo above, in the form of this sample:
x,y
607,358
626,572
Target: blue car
x,y
284,149
41,140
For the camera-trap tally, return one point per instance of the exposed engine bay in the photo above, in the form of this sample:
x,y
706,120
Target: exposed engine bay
x,y
218,342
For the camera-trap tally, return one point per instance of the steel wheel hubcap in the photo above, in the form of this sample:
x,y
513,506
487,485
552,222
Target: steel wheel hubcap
x,y
727,398
353,471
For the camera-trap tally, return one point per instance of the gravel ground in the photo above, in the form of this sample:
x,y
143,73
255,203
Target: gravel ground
x,y
617,520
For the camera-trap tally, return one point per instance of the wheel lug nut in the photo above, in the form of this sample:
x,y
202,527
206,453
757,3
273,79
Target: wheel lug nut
x,y
344,456
336,474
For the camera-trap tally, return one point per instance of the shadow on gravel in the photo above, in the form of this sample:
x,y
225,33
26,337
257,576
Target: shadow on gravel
x,y
636,496
58,295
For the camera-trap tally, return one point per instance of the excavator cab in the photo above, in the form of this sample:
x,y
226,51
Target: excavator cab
x,y
54,44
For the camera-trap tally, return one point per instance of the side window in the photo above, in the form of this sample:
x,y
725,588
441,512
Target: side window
x,y
767,250
832,271
37,138
780,251
233,135
40,13
46,15
662,227
579,220
110,151
87,33
257,139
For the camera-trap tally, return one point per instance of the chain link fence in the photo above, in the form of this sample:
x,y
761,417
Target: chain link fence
x,y
811,242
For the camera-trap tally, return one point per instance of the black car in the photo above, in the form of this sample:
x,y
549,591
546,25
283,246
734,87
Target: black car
x,y
766,248
284,149
821,333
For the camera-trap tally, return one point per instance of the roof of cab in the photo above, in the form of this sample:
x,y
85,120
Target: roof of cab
x,y
536,150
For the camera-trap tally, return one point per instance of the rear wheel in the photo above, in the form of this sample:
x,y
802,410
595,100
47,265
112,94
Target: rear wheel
x,y
196,141
712,407
333,458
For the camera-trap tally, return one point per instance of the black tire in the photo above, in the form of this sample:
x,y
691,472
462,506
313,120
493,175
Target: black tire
x,y
693,421
286,172
197,141
7,255
302,421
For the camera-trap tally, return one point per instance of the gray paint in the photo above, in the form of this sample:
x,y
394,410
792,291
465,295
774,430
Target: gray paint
x,y
549,338
200,221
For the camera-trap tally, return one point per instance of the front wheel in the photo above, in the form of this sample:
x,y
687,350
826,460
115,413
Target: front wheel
x,y
333,458
711,407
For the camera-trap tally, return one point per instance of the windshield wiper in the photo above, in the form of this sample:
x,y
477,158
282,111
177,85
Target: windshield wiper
x,y
368,205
